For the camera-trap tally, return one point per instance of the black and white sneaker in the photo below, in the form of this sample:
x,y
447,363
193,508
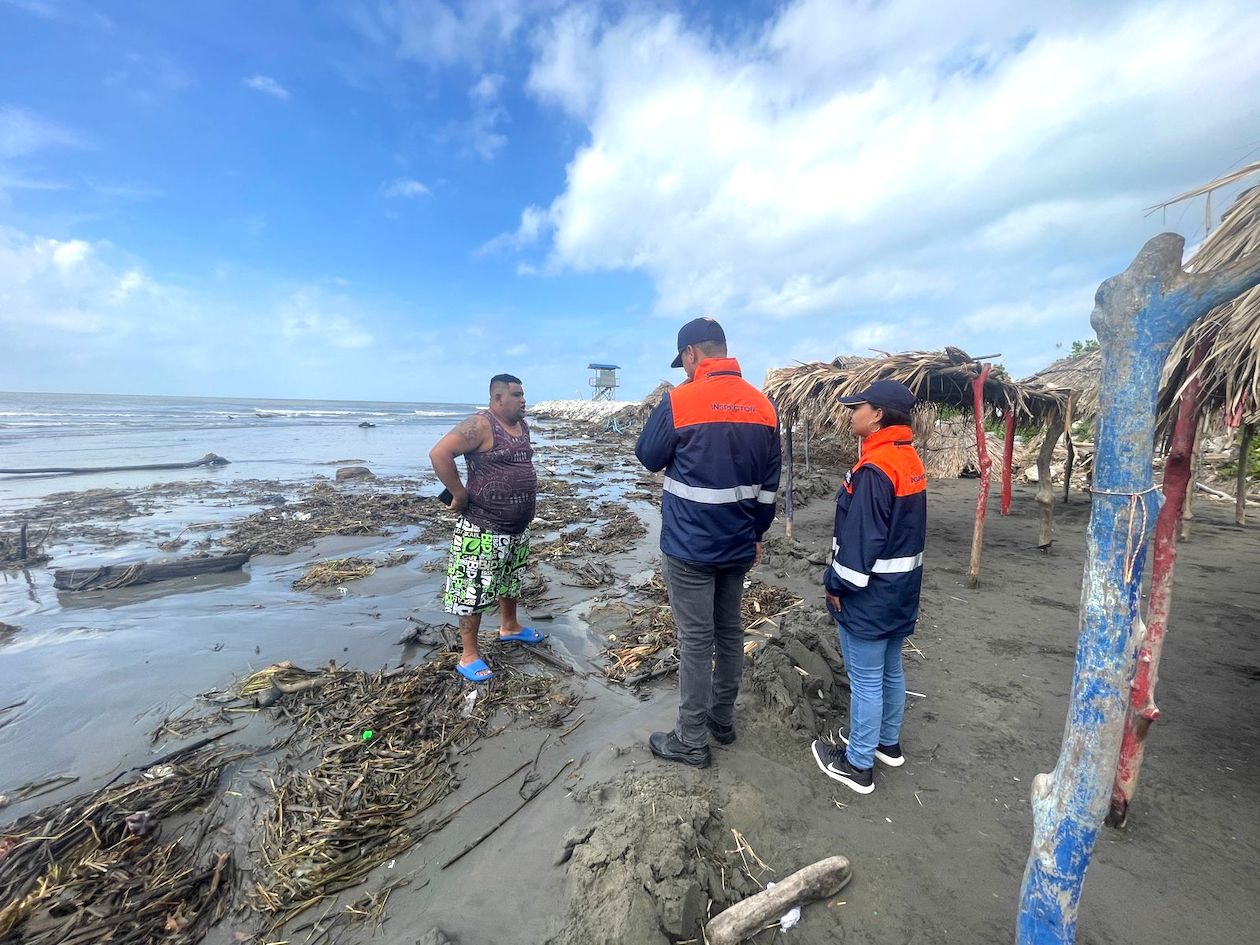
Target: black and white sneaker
x,y
833,762
889,754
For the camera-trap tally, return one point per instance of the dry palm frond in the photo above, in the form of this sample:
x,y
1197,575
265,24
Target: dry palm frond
x,y
1230,332
332,572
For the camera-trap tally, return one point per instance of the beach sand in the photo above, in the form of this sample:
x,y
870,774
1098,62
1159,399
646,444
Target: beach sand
x,y
648,848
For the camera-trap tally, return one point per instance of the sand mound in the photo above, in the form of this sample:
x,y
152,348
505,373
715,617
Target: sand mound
x,y
650,866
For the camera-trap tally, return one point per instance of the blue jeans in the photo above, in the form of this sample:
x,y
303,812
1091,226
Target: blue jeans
x,y
877,698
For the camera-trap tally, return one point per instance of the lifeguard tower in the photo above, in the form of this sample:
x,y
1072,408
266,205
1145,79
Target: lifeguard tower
x,y
604,380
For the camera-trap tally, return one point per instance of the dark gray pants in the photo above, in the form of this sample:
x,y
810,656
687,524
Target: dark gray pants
x,y
705,600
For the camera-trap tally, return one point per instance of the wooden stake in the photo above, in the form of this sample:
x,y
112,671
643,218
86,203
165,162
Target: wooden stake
x,y
1240,493
1196,463
1045,487
787,495
986,465
1008,453
1142,710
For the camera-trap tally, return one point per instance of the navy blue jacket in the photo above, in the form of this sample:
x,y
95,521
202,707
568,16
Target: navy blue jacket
x,y
877,549
717,438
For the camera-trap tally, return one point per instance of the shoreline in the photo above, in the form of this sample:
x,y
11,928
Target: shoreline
x,y
938,849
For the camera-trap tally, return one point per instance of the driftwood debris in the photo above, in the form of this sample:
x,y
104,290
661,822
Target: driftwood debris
x,y
748,917
110,576
210,459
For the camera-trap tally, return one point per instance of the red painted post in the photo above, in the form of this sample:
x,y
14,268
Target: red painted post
x,y
1142,710
986,466
1008,454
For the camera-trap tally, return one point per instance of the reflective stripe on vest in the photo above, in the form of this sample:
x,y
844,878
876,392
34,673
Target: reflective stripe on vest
x,y
881,566
718,496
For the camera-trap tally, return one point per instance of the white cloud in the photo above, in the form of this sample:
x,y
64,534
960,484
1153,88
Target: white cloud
x,y
323,315
268,86
407,188
527,233
22,133
938,163
439,33
51,287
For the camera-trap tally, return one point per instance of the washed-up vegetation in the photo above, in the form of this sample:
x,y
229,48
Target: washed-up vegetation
x,y
327,510
97,868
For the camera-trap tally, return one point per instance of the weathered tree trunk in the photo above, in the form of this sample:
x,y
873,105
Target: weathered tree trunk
x,y
1008,454
110,576
1137,316
986,465
1045,488
787,492
749,916
1196,462
1142,710
1244,453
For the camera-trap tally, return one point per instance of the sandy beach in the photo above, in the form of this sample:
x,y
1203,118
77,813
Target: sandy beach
x,y
616,846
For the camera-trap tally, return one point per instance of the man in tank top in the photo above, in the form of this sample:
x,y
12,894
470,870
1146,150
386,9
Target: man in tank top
x,y
491,543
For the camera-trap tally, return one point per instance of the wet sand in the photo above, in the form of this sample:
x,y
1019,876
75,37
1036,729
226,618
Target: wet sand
x,y
938,850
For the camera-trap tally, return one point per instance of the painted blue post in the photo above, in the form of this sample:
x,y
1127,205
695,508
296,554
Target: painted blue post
x,y
1137,316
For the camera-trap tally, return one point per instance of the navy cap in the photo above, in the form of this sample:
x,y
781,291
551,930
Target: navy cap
x,y
697,332
890,394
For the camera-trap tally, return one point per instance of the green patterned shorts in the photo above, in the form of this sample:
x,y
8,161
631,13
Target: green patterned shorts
x,y
483,566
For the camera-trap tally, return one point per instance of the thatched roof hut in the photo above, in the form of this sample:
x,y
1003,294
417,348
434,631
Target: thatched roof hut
x,y
808,392
1077,376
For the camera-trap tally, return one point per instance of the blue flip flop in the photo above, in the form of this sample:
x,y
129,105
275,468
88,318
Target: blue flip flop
x,y
528,635
475,672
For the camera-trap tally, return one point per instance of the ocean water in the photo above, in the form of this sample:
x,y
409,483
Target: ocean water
x,y
285,440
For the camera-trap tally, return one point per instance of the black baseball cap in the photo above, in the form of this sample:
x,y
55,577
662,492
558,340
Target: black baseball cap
x,y
890,394
696,332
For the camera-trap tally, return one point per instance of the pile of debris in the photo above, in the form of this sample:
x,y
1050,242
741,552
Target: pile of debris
x,y
327,510
96,868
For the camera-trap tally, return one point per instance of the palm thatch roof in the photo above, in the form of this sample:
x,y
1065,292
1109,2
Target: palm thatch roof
x,y
1079,375
1231,332
808,391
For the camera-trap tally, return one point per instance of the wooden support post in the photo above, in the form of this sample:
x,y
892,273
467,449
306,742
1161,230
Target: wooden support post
x,y
22,548
1196,463
1244,454
1045,487
1142,710
1137,316
787,493
1008,454
807,444
986,465
1071,447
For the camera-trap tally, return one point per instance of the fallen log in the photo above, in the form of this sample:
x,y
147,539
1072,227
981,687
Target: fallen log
x,y
1218,494
109,576
210,459
748,917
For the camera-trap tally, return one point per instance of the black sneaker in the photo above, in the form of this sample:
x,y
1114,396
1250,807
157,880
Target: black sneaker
x,y
834,763
889,754
722,734
665,745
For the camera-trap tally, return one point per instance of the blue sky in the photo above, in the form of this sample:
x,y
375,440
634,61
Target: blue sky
x,y
395,200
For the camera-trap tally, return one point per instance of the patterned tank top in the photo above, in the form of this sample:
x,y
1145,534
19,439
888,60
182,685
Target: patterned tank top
x,y
502,484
